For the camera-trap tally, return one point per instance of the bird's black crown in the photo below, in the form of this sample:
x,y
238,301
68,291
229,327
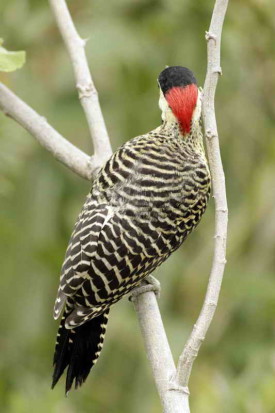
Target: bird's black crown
x,y
175,76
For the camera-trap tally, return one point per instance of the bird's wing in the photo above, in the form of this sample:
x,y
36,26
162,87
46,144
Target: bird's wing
x,y
127,251
81,248
95,213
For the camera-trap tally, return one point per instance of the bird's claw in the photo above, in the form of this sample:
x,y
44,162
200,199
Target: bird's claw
x,y
150,283
154,284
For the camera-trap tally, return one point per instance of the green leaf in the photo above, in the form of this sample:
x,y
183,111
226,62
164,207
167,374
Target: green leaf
x,y
10,61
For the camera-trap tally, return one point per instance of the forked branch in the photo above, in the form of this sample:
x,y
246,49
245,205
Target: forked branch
x,y
47,136
37,125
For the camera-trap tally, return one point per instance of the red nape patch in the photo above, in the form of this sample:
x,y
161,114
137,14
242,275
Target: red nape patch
x,y
182,101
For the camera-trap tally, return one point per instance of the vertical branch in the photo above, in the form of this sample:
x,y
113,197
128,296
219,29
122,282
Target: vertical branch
x,y
84,83
173,388
200,329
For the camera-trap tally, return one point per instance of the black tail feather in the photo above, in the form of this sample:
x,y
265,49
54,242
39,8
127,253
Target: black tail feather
x,y
62,350
79,349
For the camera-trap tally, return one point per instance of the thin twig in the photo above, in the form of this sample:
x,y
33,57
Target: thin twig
x,y
46,135
84,83
213,37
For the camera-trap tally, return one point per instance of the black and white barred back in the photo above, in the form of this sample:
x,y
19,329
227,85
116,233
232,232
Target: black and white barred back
x,y
144,202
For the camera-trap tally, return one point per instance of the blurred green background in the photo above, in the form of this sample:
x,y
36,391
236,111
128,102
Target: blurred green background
x,y
130,42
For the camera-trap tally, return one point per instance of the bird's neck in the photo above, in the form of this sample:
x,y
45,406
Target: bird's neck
x,y
173,130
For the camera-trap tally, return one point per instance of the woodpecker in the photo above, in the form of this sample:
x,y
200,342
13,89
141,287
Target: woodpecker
x,y
144,202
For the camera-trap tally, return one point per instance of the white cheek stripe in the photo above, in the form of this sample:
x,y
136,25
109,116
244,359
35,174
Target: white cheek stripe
x,y
197,112
166,113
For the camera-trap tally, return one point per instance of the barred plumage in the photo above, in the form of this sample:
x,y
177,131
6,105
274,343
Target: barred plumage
x,y
144,202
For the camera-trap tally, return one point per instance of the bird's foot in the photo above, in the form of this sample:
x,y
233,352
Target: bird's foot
x,y
154,284
149,283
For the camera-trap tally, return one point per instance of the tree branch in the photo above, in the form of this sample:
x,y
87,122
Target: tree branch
x,y
200,329
167,379
86,89
174,398
46,135
38,126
